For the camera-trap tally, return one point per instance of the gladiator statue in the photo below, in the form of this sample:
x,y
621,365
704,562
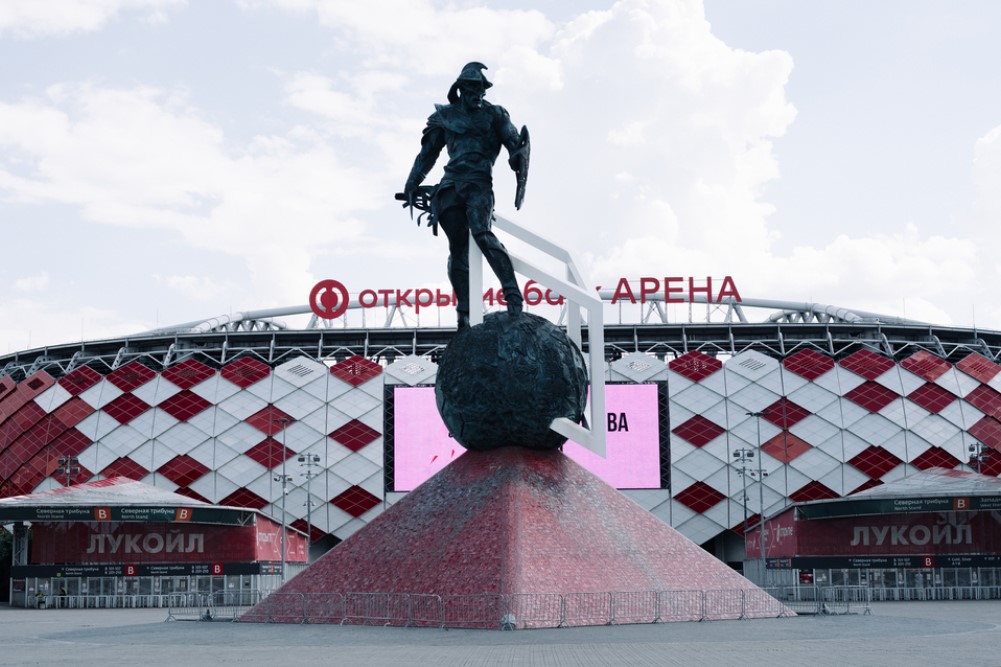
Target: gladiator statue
x,y
473,131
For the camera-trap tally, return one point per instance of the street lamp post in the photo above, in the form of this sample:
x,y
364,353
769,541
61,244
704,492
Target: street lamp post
x,y
978,454
68,465
744,456
761,494
309,460
284,479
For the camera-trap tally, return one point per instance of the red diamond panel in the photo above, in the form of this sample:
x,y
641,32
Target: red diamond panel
x,y
867,364
871,396
269,453
979,367
926,365
24,418
39,382
79,476
784,413
243,497
935,457
126,407
872,483
194,495
356,370
986,400
245,372
785,447
987,431
808,364
184,405
269,420
875,462
73,411
354,435
931,397
699,497
303,527
130,376
182,470
79,380
696,366
125,467
992,466
813,491
698,430
71,443
355,501
752,521
188,373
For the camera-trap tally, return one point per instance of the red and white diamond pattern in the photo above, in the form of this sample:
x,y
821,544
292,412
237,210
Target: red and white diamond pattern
x,y
827,428
217,435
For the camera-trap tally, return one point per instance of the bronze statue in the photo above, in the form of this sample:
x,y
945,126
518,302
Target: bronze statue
x,y
473,131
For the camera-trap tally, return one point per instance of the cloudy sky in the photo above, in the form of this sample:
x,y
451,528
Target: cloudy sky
x,y
162,161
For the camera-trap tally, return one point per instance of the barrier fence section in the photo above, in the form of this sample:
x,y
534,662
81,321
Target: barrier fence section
x,y
824,599
216,606
491,611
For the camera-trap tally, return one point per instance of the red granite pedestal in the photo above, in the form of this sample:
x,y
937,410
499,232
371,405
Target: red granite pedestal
x,y
528,536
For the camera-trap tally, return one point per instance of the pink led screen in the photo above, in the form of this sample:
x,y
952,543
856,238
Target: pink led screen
x,y
422,445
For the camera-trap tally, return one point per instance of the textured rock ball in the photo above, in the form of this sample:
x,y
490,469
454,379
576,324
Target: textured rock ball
x,y
501,383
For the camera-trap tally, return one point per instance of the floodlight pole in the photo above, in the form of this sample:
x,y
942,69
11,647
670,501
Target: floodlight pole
x,y
761,495
284,480
309,460
68,466
977,454
744,455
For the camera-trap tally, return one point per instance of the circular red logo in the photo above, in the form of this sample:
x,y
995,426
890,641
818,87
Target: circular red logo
x,y
329,299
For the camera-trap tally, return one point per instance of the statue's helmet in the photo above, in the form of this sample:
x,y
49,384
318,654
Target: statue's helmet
x,y
471,75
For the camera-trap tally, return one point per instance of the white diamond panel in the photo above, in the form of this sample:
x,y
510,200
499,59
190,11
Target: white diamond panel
x,y
213,421
957,382
52,398
900,380
215,389
301,371
271,388
153,422
96,425
100,394
156,391
814,430
182,438
839,381
241,437
123,440
243,404
962,414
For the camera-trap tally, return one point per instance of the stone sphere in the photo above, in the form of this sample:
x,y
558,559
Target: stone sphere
x,y
502,382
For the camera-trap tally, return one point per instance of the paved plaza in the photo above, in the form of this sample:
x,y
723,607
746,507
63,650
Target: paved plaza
x,y
903,633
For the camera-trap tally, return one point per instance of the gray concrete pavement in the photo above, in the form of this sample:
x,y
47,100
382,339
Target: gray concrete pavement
x,y
905,633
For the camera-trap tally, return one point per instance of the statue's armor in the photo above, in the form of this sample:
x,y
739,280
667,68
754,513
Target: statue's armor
x,y
464,198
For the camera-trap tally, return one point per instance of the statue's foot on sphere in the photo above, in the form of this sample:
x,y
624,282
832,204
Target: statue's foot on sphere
x,y
502,383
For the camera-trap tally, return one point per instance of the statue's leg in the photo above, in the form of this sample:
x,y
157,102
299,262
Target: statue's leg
x,y
453,221
479,213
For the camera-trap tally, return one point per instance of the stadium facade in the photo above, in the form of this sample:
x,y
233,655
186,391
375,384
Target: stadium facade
x,y
813,403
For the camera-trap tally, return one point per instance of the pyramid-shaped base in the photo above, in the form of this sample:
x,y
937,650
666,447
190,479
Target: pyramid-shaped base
x,y
515,532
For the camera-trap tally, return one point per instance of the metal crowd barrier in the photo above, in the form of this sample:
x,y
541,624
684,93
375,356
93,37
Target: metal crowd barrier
x,y
937,593
824,599
216,606
514,611
117,601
